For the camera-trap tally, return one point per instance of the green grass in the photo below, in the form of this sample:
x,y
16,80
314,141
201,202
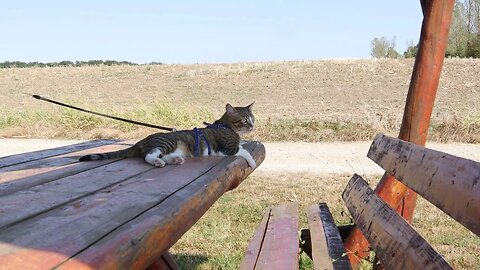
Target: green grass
x,y
219,239
222,235
71,124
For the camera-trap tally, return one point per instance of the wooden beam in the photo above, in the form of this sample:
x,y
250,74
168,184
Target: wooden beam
x,y
254,246
417,113
165,262
280,247
451,183
423,85
328,251
394,241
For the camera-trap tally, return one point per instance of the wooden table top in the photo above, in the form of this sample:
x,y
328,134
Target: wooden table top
x,y
109,214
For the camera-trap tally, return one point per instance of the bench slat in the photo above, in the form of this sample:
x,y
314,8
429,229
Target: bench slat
x,y
29,174
395,242
328,251
449,182
91,218
38,199
255,244
36,155
280,247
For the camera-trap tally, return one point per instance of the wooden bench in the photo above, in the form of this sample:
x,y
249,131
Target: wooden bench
x,y
451,183
56,212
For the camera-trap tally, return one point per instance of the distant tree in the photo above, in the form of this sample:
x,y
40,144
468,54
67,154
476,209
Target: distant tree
x,y
19,64
66,63
411,51
464,35
383,48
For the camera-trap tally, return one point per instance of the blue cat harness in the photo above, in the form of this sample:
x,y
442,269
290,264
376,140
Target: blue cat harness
x,y
199,135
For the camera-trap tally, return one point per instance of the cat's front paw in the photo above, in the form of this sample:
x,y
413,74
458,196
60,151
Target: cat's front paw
x,y
159,163
252,163
247,156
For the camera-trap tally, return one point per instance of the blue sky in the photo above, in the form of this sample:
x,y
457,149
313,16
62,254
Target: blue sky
x,y
201,31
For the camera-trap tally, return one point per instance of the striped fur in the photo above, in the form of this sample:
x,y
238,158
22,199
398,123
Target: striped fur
x,y
171,148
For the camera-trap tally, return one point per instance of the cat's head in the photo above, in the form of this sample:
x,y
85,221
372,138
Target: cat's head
x,y
240,119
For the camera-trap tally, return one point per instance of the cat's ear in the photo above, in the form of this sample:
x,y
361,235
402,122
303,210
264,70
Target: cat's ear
x,y
230,109
250,107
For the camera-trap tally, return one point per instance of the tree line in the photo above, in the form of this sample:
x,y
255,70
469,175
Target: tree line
x,y
463,40
20,64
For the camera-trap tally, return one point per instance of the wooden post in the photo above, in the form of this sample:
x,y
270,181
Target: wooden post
x,y
418,110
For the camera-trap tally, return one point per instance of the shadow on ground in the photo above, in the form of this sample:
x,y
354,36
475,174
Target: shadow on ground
x,y
189,261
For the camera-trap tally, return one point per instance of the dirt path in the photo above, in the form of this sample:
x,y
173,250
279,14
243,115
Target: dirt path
x,y
318,158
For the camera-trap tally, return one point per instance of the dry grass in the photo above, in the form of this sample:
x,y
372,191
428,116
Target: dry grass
x,y
311,100
220,238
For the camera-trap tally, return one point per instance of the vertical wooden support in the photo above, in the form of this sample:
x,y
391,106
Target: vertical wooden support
x,y
418,110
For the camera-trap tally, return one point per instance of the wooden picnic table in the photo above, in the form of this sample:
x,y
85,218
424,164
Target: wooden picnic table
x,y
56,212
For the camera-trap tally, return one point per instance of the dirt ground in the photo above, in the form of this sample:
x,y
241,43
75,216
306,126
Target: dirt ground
x,y
316,158
364,91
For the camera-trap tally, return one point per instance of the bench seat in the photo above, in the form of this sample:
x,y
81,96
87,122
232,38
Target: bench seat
x,y
449,182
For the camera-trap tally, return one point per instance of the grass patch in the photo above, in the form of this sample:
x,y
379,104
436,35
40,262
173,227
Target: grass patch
x,y
310,130
219,239
466,129
71,124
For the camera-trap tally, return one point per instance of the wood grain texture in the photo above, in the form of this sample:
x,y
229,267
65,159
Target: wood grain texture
x,y
328,251
449,182
134,244
254,246
41,154
29,174
417,113
395,242
84,221
42,198
280,248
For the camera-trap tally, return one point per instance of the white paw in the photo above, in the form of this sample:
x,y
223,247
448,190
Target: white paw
x,y
247,156
158,162
178,160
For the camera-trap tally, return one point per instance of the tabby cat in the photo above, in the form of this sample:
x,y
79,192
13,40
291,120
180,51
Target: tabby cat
x,y
220,138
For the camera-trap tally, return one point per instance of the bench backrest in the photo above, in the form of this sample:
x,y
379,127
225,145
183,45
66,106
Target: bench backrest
x,y
451,183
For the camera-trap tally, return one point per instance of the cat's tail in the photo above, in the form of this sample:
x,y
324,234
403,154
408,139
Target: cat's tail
x,y
129,152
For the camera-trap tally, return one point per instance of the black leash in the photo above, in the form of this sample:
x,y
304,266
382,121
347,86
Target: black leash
x,y
104,115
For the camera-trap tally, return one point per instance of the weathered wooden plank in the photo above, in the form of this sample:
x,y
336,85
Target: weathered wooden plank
x,y
41,198
255,244
113,228
418,109
36,155
84,221
328,251
25,175
395,242
280,248
134,244
449,182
